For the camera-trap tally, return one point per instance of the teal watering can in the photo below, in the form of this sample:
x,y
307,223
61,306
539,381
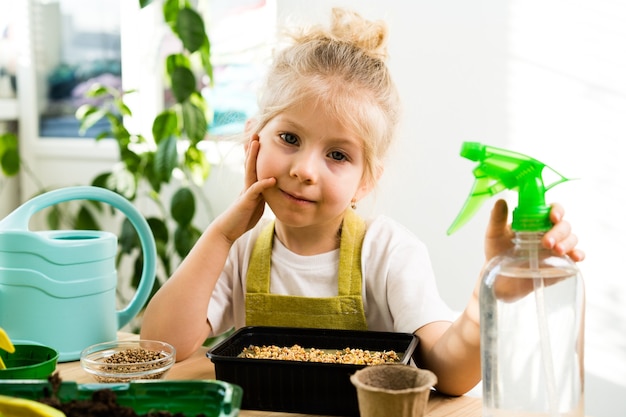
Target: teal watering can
x,y
58,288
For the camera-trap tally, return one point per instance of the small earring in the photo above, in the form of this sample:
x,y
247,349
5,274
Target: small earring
x,y
353,204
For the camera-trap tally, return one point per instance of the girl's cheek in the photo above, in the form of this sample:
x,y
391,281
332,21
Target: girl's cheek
x,y
262,164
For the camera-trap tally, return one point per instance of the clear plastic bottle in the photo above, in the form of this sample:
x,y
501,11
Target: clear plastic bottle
x,y
531,301
532,333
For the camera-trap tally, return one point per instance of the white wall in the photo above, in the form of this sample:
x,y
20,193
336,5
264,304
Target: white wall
x,y
544,78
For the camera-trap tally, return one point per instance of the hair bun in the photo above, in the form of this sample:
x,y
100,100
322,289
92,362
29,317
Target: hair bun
x,y
370,36
348,27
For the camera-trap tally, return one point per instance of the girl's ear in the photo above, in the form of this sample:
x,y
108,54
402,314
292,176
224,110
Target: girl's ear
x,y
248,131
367,185
248,127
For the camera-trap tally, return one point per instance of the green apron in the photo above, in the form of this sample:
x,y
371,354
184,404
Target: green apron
x,y
344,311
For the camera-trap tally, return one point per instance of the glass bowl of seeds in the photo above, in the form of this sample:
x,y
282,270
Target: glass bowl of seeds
x,y
128,360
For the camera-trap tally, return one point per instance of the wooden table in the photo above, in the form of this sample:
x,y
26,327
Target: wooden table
x,y
198,366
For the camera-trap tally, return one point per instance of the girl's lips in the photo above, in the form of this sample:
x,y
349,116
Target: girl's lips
x,y
295,197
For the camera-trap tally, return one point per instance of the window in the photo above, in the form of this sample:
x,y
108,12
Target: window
x,y
76,43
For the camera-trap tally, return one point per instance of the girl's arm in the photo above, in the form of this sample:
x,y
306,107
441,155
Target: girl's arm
x,y
177,314
452,350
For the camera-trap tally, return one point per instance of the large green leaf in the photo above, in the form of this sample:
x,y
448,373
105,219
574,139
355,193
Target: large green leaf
x,y
10,161
161,237
165,125
166,158
170,13
176,60
158,228
183,83
151,174
8,141
85,219
132,161
197,164
190,29
137,270
9,154
183,206
185,238
194,122
128,239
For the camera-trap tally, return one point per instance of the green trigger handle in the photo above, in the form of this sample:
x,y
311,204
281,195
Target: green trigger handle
x,y
501,169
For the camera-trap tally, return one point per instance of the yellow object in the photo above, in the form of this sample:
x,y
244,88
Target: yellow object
x,y
344,311
20,407
5,344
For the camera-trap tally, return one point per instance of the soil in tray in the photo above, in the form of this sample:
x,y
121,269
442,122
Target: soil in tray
x,y
103,403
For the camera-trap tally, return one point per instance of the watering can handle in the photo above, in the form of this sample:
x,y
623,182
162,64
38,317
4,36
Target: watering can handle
x,y
19,219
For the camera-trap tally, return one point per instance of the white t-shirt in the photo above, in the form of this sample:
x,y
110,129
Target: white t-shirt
x,y
399,289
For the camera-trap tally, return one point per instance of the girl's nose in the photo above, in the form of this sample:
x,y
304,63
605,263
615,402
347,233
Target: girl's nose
x,y
305,167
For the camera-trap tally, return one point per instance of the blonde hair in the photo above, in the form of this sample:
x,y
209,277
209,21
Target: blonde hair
x,y
343,66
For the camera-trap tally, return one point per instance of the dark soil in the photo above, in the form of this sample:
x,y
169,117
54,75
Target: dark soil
x,y
103,403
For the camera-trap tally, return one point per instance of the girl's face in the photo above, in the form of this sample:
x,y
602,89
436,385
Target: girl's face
x,y
318,165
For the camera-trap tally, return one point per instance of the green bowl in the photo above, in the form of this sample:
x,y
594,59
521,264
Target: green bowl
x,y
29,362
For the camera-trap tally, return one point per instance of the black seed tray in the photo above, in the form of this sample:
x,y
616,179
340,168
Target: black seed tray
x,y
300,387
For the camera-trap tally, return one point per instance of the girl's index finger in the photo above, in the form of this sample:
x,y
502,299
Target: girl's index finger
x,y
252,151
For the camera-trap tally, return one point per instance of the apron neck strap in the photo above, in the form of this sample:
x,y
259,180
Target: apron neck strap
x,y
350,277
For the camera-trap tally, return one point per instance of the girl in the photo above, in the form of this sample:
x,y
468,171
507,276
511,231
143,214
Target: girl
x,y
327,116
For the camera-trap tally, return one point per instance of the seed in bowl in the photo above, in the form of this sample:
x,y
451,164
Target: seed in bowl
x,y
137,360
298,353
138,355
124,361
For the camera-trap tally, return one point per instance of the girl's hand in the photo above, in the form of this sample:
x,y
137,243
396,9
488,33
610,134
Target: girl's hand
x,y
246,211
560,238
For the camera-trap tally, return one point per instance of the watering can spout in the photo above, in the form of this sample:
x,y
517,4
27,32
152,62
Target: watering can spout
x,y
58,288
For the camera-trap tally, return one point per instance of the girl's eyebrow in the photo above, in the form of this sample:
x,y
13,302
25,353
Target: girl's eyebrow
x,y
291,123
348,142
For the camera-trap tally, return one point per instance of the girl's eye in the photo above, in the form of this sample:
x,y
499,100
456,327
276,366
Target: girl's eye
x,y
337,156
289,138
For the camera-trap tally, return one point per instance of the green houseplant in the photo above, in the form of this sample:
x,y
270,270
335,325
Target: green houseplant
x,y
165,167
148,162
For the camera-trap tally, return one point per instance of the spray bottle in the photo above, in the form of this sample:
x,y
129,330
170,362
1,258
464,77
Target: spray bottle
x,y
531,301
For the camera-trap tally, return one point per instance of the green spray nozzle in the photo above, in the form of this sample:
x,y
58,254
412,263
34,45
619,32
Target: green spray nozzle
x,y
500,169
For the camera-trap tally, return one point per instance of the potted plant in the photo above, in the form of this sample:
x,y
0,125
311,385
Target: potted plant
x,y
166,166
148,162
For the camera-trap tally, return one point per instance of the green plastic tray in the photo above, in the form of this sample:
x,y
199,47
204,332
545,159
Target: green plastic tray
x,y
209,397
